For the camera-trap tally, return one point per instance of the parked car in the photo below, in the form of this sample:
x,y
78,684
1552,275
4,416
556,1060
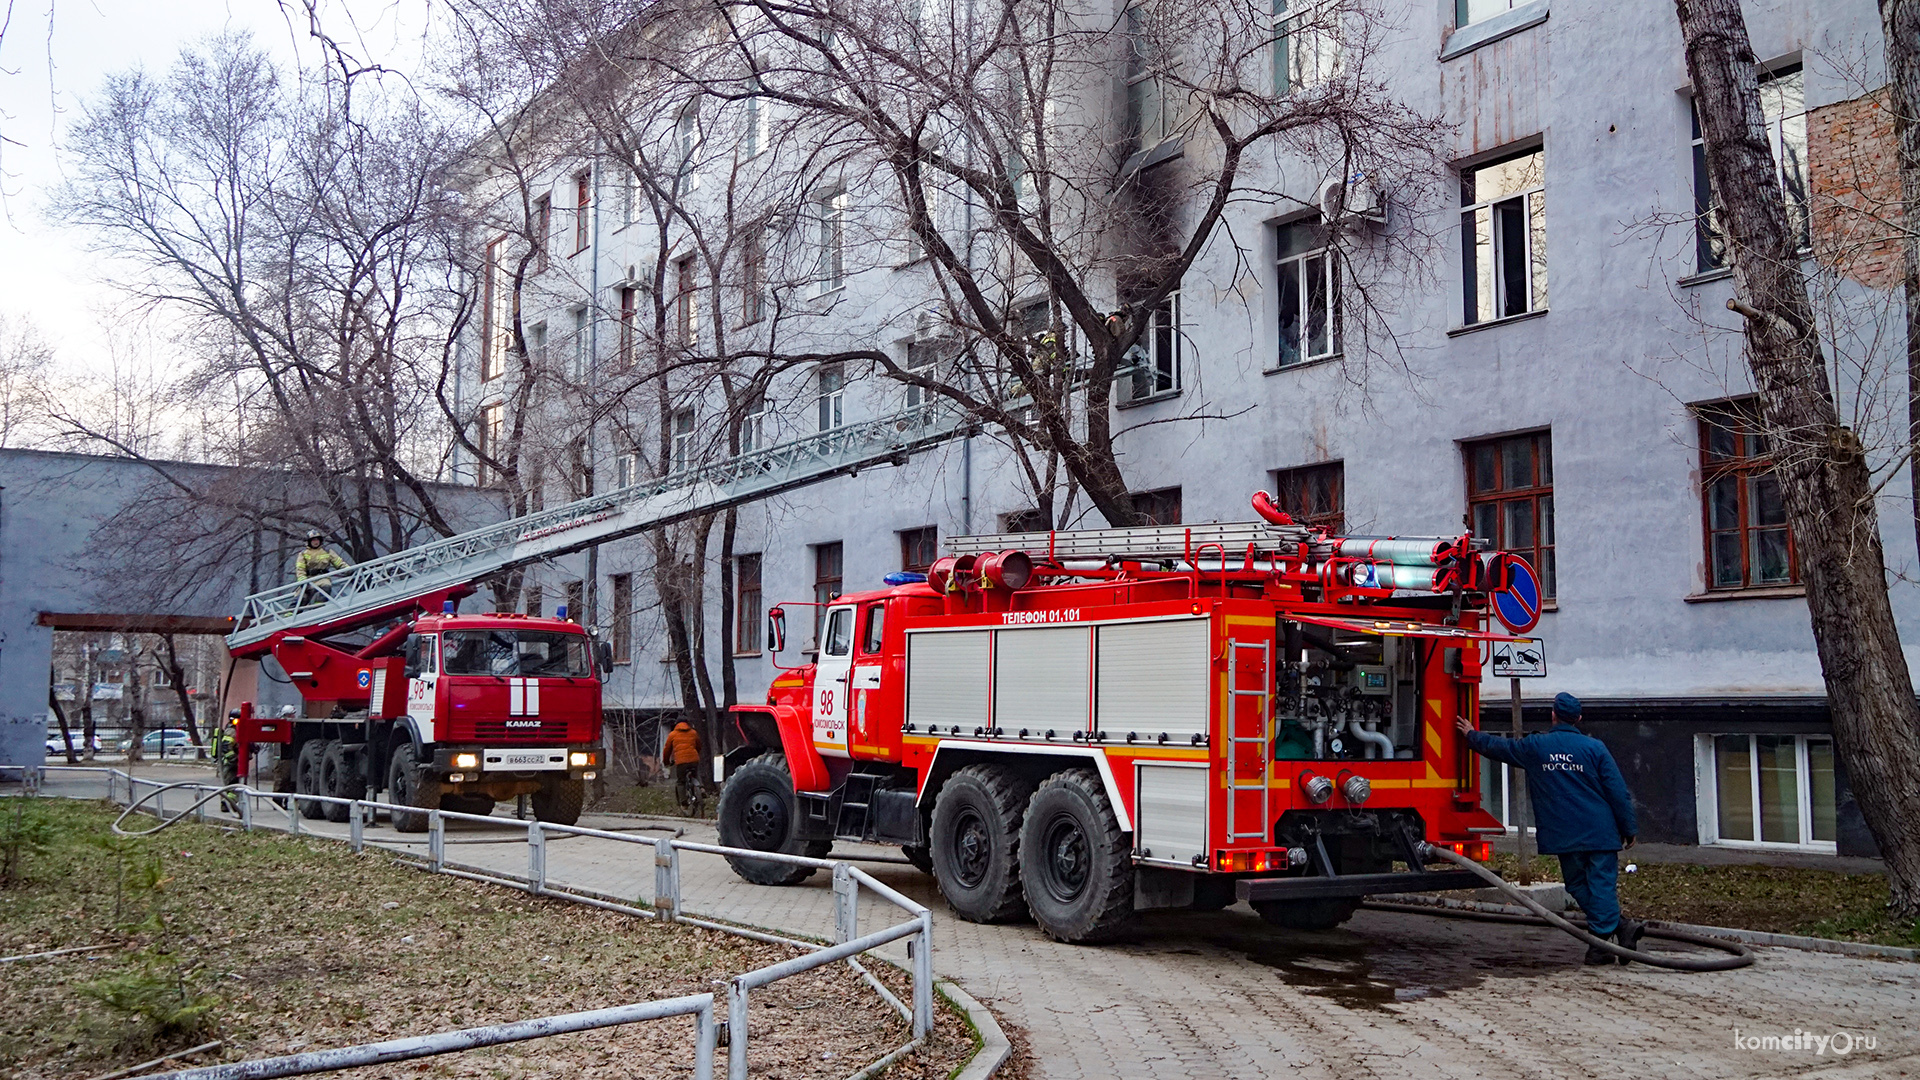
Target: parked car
x,y
57,745
167,742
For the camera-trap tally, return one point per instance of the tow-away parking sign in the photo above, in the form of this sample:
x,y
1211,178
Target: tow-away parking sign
x,y
1523,659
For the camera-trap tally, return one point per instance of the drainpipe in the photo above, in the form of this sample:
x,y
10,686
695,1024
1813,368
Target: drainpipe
x,y
593,372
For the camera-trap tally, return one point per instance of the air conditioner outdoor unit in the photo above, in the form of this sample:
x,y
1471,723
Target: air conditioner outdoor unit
x,y
1352,199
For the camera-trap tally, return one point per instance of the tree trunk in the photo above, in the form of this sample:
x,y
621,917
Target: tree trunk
x,y
729,681
1900,24
1821,463
179,677
66,732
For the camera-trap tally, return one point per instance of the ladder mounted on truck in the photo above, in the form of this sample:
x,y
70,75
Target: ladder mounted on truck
x,y
364,592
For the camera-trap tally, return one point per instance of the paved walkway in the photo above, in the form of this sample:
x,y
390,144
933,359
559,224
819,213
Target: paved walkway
x,y
1388,996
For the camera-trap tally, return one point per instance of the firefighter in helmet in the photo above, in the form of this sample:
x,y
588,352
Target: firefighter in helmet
x,y
315,560
226,759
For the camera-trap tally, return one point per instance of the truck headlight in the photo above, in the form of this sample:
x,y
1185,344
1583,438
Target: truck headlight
x,y
580,759
466,761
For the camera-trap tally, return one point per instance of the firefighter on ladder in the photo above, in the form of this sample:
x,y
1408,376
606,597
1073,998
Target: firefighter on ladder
x,y
1582,812
313,562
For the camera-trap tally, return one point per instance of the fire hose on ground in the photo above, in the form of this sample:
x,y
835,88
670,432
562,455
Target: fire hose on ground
x,y
1741,955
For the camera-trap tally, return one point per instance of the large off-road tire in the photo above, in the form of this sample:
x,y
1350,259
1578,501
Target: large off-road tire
x,y
408,786
1076,865
920,857
758,811
481,805
558,801
976,843
306,779
1319,913
340,777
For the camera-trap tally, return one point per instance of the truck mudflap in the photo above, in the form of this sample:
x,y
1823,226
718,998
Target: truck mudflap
x,y
809,769
1315,886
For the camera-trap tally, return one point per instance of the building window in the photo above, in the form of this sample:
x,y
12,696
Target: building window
x,y
1783,103
746,605
581,341
630,191
753,274
1748,542
753,425
686,135
582,206
537,344
1155,359
1771,790
923,359
542,229
686,301
1309,295
626,469
622,628
831,396
1466,12
1306,43
536,601
830,224
828,569
682,440
577,601
629,315
579,474
918,549
1025,521
1151,115
757,109
1510,499
1503,237
1160,507
490,435
496,312
1314,495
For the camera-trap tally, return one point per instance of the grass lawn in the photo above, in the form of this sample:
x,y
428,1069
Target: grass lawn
x,y
276,944
1776,899
653,800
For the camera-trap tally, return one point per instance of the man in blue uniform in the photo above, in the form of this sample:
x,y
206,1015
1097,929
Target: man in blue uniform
x,y
1582,813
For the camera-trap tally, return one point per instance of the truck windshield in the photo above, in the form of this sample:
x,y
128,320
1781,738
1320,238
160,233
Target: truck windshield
x,y
535,653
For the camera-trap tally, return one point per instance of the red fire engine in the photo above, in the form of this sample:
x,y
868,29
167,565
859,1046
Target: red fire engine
x,y
442,710
1082,725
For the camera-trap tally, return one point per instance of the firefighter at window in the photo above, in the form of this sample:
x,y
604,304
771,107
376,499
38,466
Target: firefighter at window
x,y
315,560
1582,812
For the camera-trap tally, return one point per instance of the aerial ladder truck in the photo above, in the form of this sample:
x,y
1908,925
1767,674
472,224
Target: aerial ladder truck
x,y
441,709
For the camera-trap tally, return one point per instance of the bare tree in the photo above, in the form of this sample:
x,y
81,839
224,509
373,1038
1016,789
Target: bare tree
x,y
1042,224
1900,25
25,360
1821,462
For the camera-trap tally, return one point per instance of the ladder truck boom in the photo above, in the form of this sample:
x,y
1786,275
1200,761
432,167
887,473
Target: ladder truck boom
x,y
1082,725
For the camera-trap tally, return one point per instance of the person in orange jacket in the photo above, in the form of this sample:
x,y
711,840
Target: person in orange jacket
x,y
680,750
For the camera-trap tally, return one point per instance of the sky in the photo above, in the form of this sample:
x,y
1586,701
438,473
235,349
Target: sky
x,y
53,56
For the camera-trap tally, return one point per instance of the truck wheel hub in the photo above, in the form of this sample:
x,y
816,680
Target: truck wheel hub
x,y
766,821
1068,859
972,850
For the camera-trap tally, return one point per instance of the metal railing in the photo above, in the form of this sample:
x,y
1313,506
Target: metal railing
x,y
666,906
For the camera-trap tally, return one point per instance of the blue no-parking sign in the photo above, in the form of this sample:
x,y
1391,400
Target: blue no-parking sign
x,y
1517,603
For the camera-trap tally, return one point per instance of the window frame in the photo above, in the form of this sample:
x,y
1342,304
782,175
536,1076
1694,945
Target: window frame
x,y
582,208
620,624
830,401
686,300
753,275
1291,487
629,299
1301,25
1144,89
912,539
1462,12
1499,495
1805,813
1708,260
1744,466
751,431
491,426
1160,355
830,223
1155,504
542,229
626,469
1532,203
496,312
748,603
681,444
829,578
1295,263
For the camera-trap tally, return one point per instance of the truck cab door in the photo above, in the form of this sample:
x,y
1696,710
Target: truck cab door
x,y
831,679
423,678
863,688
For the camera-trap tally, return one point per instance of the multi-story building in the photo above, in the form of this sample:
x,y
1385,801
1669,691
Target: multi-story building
x,y
1554,368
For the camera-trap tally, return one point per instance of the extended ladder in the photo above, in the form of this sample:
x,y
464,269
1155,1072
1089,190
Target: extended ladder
x,y
378,585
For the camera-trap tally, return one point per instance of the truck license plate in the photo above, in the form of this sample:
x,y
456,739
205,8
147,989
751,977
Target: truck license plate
x,y
522,760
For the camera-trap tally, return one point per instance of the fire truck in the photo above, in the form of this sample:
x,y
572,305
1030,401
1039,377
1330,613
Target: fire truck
x,y
439,709
1078,726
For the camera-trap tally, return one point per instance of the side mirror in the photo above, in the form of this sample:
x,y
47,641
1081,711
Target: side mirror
x,y
776,630
603,653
